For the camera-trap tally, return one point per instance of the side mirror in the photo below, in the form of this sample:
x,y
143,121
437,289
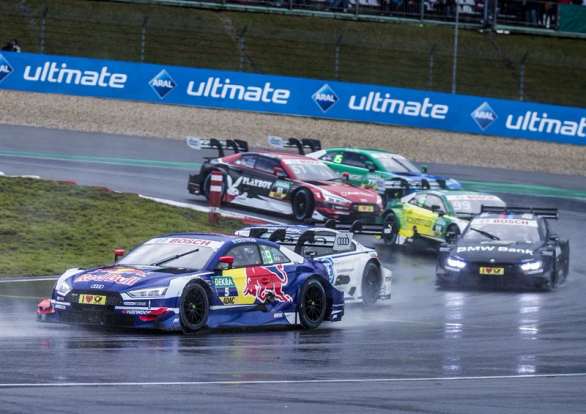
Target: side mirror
x,y
370,166
451,237
424,168
278,171
554,237
346,176
437,209
118,253
310,253
225,262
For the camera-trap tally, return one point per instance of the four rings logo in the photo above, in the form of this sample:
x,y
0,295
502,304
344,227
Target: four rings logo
x,y
162,84
325,98
96,286
5,68
342,241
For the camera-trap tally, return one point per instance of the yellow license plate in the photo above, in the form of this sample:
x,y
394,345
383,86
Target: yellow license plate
x,y
492,270
92,299
369,209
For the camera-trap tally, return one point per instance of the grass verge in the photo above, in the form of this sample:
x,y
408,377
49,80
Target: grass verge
x,y
47,227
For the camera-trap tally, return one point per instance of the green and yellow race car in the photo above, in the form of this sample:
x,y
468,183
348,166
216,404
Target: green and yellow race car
x,y
433,216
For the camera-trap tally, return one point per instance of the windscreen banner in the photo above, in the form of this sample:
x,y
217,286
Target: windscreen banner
x,y
291,96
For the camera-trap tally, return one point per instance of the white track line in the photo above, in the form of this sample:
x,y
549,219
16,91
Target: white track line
x,y
323,381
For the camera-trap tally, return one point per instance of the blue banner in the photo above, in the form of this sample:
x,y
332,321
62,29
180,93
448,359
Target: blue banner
x,y
291,96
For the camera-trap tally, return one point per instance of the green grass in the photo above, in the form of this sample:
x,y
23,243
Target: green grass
x,y
47,227
393,54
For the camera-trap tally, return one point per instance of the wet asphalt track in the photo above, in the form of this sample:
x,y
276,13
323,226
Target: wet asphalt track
x,y
424,351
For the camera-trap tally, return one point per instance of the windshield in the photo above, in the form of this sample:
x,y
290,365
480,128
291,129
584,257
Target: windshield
x,y
150,254
311,170
517,230
471,204
396,163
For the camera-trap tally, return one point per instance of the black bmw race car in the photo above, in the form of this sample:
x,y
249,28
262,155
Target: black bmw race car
x,y
506,247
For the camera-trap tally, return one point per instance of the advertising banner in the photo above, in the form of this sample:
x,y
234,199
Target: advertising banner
x,y
291,96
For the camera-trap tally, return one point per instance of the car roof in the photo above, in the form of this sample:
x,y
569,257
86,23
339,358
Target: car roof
x,y
508,215
361,150
281,155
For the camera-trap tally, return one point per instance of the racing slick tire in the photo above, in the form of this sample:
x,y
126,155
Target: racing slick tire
x,y
302,205
371,283
391,219
312,304
194,308
206,187
565,245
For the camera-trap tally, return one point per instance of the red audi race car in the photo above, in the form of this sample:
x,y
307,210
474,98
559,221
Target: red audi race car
x,y
283,182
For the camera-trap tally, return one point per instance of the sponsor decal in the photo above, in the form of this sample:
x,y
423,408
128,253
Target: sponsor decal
x,y
135,311
484,116
506,221
501,249
385,155
121,275
418,221
301,161
328,262
214,88
5,68
228,300
92,299
492,270
162,84
377,102
479,197
277,314
223,281
135,303
280,189
177,240
325,98
52,72
60,307
532,121
96,286
255,182
342,241
274,280
276,142
194,143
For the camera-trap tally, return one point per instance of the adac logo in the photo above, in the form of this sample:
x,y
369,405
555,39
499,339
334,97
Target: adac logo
x,y
325,98
5,68
484,116
162,84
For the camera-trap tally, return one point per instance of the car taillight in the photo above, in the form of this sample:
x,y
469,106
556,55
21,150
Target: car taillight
x,y
154,315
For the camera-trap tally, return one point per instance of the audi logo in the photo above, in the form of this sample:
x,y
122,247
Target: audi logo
x,y
96,286
344,241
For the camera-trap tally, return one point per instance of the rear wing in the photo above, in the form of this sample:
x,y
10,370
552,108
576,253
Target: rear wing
x,y
546,213
399,187
299,144
357,227
236,145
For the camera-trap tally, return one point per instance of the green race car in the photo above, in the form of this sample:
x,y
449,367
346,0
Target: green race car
x,y
433,216
392,175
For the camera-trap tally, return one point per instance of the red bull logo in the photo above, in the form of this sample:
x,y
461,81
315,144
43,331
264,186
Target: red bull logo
x,y
122,275
260,281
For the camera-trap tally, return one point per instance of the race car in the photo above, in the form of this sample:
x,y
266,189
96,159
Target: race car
x,y
427,218
284,183
392,175
506,247
352,268
190,281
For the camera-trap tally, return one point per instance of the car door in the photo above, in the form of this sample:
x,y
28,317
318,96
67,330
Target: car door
x,y
240,168
418,216
234,285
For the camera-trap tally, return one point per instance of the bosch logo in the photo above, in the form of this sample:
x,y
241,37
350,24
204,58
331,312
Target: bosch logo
x,y
96,286
5,68
162,84
325,98
484,116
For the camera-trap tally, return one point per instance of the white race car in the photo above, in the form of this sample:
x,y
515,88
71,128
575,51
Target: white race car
x,y
353,268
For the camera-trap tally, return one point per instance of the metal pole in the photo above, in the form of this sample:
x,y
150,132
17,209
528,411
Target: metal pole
x,y
241,65
357,4
485,11
522,78
43,20
290,4
455,47
143,39
430,78
422,11
496,8
337,57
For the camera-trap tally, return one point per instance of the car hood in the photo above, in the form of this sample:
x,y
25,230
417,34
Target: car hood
x,y
122,278
499,251
349,192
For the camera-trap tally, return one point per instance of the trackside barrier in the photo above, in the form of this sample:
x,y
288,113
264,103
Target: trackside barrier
x,y
215,196
291,96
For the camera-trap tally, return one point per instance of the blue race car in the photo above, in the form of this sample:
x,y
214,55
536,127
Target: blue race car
x,y
189,281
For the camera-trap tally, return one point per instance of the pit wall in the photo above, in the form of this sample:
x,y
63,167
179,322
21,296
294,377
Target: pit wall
x,y
291,96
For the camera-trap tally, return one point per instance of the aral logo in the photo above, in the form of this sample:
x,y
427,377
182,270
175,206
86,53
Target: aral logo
x,y
5,68
325,98
162,84
484,116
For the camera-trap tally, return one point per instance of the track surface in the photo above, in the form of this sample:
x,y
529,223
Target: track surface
x,y
425,350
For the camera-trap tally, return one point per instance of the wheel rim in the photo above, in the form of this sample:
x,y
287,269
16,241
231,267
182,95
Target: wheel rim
x,y
300,206
194,307
314,303
390,221
370,286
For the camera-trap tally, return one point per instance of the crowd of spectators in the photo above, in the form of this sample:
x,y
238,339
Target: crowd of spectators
x,y
11,46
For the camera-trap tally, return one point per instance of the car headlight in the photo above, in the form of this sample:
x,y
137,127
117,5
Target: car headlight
x,y
63,288
379,200
456,262
532,265
155,292
330,198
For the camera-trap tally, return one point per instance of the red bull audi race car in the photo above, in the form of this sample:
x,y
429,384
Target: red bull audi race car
x,y
284,183
352,268
190,281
